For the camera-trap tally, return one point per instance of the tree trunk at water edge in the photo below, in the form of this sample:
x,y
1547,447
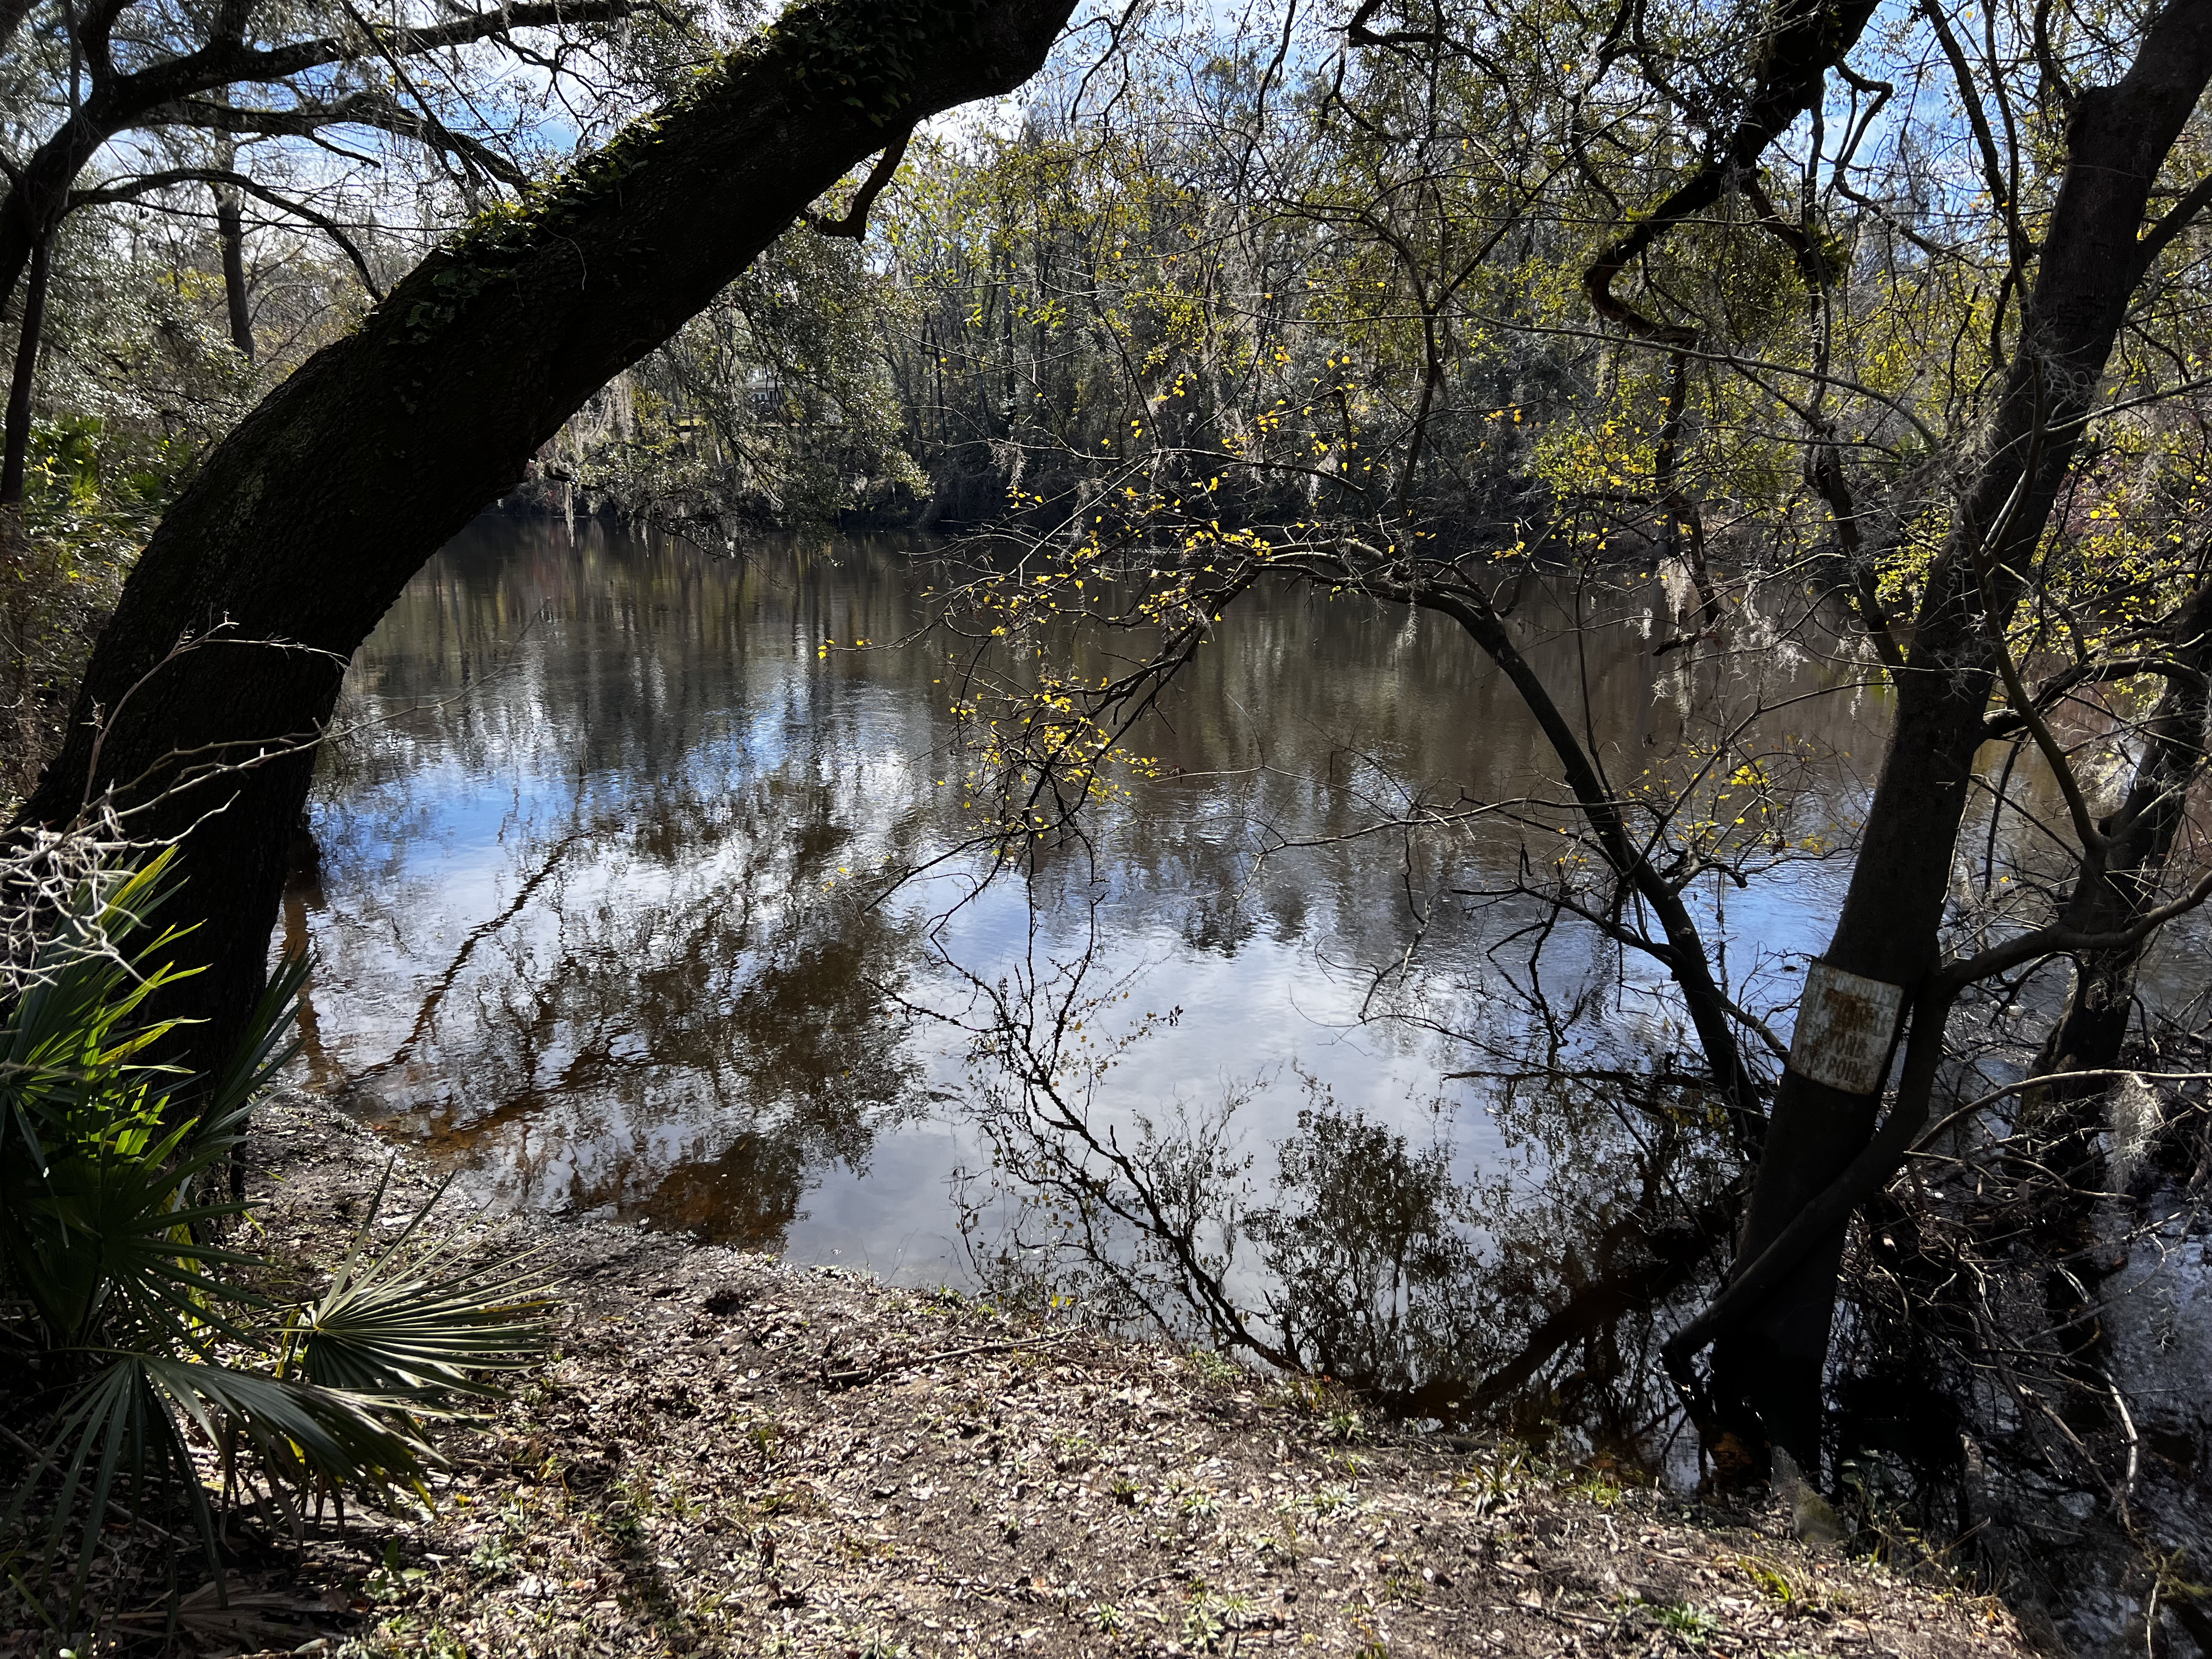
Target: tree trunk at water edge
x,y
1768,1370
2089,1032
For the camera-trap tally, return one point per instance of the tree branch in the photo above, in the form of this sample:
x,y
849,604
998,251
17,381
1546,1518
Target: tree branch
x,y
2175,219
362,109
129,189
1807,39
92,32
1359,34
282,63
855,224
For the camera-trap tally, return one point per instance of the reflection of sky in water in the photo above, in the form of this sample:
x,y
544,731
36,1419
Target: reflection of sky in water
x,y
588,918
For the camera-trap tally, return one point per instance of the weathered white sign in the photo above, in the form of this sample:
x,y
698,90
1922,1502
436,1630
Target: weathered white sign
x,y
1844,1027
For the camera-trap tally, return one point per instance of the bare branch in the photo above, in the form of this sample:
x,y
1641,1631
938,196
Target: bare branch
x,y
131,189
854,223
2175,219
362,109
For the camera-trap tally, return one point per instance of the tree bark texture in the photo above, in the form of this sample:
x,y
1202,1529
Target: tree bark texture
x,y
2093,256
307,522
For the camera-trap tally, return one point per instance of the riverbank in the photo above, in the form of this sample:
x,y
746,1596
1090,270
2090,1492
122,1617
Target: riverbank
x,y
728,1455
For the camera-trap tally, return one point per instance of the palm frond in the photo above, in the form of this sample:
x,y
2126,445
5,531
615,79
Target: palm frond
x,y
72,1040
105,1230
314,1432
407,1319
117,1426
269,1044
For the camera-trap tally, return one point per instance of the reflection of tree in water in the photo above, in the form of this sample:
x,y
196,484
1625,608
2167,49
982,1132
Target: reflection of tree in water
x,y
746,1195
1542,1291
1538,1294
1368,1239
814,1023
698,1059
650,999
645,1001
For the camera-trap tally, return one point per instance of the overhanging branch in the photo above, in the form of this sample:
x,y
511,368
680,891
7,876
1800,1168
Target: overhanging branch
x,y
364,109
854,223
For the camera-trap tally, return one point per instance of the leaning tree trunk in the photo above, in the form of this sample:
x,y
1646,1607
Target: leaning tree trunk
x,y
208,690
2061,1127
2094,254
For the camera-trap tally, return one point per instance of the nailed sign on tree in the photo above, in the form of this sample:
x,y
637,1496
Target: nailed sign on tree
x,y
1845,1024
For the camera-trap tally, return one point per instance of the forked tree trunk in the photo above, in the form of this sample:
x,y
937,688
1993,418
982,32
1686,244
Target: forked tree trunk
x,y
2093,256
308,520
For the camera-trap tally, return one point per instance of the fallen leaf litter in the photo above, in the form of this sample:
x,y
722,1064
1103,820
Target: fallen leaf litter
x,y
728,1455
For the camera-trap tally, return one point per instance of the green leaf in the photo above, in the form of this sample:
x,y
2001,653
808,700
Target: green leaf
x,y
408,1320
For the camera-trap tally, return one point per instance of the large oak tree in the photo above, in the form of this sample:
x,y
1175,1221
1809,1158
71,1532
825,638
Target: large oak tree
x,y
199,712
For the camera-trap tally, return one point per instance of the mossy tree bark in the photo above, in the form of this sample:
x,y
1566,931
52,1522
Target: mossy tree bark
x,y
307,522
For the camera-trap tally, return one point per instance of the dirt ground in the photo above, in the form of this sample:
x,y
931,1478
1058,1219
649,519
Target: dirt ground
x,y
731,1455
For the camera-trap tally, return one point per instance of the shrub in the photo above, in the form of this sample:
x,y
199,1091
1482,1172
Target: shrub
x,y
151,1346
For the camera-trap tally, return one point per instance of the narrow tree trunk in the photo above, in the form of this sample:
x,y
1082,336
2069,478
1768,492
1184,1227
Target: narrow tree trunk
x,y
2093,256
1683,950
2089,1033
2060,1130
15,457
230,231
307,522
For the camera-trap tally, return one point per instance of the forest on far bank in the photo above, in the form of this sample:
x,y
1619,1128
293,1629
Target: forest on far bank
x,y
1866,336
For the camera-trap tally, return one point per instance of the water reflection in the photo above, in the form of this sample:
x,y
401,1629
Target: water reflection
x,y
1541,1298
591,920
576,912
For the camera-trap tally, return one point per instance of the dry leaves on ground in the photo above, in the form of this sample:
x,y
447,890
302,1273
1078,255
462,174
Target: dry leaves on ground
x,y
732,1455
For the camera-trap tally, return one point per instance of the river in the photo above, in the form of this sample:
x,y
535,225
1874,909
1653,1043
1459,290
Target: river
x,y
600,920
